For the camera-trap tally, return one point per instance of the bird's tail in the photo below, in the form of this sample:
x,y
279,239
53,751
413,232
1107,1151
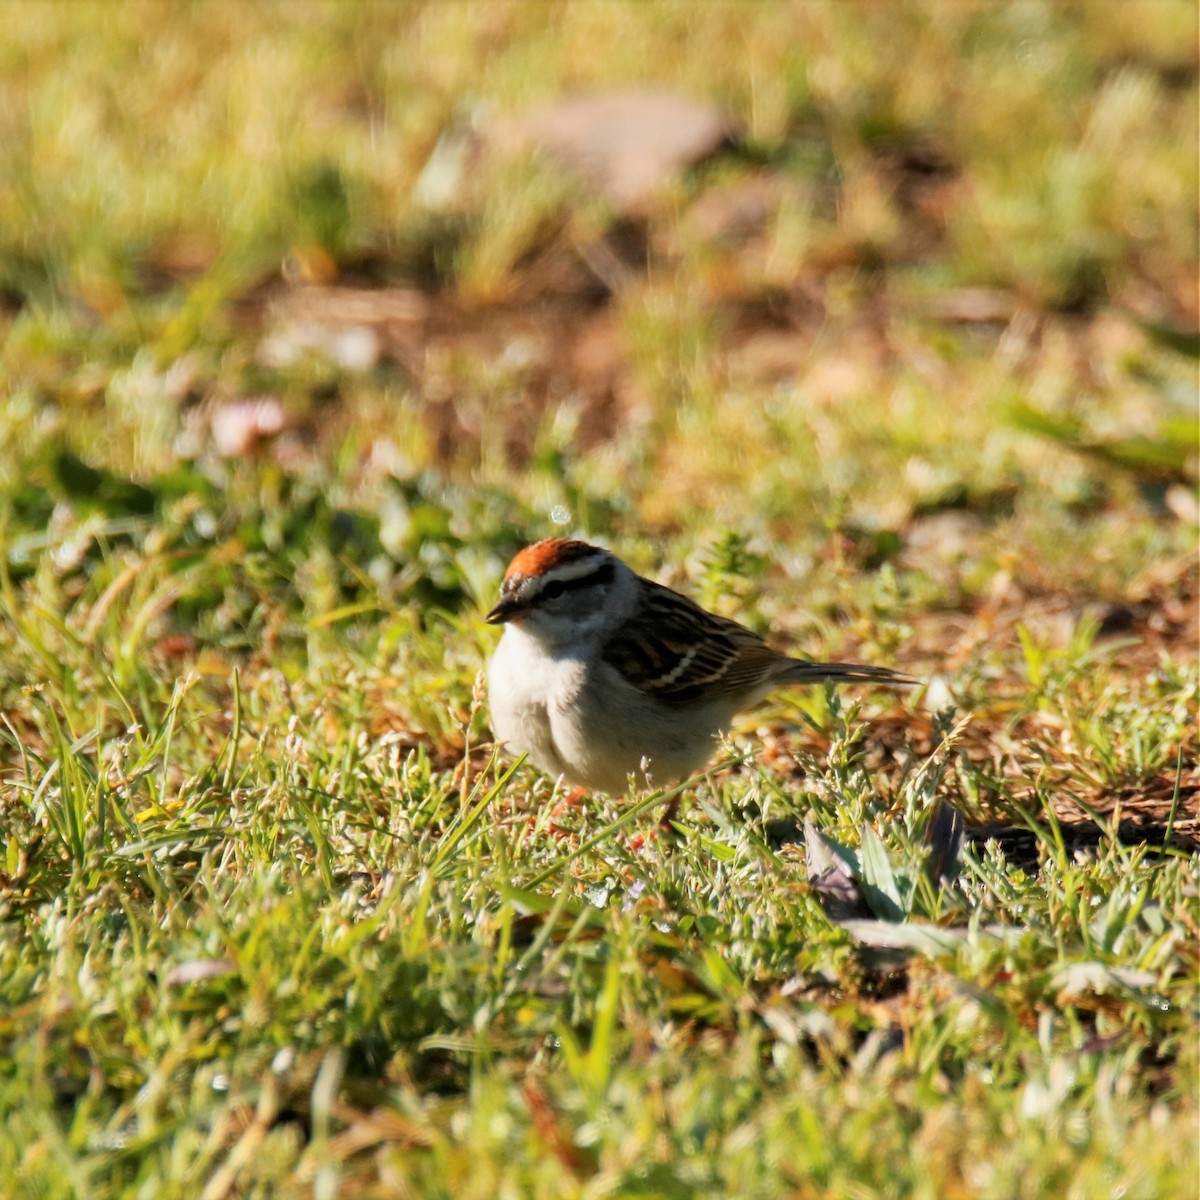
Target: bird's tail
x,y
799,671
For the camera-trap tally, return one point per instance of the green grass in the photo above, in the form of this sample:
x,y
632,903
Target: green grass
x,y
274,917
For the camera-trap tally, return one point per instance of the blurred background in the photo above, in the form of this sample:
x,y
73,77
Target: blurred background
x,y
886,310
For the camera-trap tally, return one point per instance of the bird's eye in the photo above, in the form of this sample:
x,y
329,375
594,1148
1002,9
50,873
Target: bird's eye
x,y
553,589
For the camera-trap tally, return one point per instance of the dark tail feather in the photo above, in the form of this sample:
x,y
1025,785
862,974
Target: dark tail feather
x,y
800,671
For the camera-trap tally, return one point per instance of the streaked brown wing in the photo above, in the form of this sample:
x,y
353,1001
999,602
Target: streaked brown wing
x,y
677,652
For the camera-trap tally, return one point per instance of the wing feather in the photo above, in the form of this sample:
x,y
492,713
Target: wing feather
x,y
676,651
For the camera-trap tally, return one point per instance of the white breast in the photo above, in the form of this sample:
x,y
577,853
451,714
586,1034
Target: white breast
x,y
522,683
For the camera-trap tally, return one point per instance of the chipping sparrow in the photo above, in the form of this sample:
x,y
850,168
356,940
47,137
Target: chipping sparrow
x,y
602,674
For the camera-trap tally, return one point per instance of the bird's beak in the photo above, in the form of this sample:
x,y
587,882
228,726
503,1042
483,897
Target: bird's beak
x,y
505,610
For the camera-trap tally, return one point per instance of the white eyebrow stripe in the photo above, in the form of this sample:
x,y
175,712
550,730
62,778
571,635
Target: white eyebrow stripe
x,y
572,570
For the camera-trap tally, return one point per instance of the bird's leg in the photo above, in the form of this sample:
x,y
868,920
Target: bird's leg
x,y
573,799
665,828
669,814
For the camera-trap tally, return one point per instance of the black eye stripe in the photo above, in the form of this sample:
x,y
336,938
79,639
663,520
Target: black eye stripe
x,y
556,587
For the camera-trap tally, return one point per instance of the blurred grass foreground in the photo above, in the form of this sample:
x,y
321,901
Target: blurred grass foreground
x,y
873,325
